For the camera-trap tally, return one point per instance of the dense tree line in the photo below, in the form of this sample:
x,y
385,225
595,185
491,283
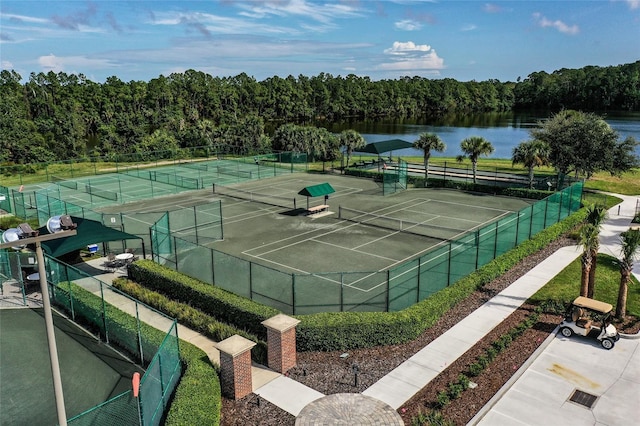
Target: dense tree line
x,y
56,116
590,89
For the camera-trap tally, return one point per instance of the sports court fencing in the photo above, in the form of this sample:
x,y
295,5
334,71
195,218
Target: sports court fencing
x,y
390,290
394,180
88,302
134,182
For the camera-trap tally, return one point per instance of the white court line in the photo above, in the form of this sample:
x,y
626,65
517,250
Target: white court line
x,y
352,249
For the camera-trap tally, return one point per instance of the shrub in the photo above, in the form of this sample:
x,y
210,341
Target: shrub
x,y
464,381
443,399
455,390
475,369
431,418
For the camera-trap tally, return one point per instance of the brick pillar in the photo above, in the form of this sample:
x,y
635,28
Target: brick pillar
x,y
235,366
281,342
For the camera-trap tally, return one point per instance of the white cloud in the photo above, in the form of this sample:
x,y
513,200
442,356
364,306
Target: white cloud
x,y
543,22
216,24
469,27
23,18
492,8
72,64
6,65
412,57
320,12
408,25
402,48
633,4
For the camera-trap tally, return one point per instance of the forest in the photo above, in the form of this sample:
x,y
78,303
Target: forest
x,y
50,117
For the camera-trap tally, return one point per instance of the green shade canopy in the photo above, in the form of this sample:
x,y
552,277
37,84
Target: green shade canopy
x,y
89,232
317,190
385,146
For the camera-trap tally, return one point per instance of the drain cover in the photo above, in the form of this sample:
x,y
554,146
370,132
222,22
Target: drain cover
x,y
583,398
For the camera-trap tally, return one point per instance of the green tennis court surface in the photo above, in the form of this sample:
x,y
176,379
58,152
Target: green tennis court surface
x,y
91,371
363,232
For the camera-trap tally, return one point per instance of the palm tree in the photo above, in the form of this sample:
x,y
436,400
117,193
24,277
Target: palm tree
x,y
630,245
588,240
351,140
596,215
473,147
428,142
533,153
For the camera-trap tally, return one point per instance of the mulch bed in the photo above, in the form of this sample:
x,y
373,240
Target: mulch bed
x,y
329,373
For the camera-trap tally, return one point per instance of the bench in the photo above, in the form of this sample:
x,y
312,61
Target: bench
x,y
317,209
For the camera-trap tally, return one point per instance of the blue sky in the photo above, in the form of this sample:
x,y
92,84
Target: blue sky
x,y
464,40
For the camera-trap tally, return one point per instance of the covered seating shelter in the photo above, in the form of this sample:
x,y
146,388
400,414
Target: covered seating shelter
x,y
89,232
320,190
382,147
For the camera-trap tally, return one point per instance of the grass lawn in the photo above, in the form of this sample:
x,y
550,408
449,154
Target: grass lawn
x,y
627,184
566,285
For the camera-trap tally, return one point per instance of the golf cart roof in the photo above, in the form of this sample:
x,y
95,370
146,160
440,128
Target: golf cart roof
x,y
596,305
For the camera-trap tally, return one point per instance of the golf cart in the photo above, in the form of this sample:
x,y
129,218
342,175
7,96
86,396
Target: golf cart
x,y
590,318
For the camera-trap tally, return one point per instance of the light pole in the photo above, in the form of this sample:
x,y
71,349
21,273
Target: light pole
x,y
25,235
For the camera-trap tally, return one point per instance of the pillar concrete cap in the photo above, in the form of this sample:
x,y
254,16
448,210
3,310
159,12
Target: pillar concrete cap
x,y
281,323
235,345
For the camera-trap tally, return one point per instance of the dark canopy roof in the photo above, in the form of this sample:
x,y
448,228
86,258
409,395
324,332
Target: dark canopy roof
x,y
385,146
317,190
89,232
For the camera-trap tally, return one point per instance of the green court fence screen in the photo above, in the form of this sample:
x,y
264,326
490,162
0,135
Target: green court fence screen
x,y
391,290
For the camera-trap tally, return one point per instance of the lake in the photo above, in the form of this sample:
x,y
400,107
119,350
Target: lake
x,y
503,130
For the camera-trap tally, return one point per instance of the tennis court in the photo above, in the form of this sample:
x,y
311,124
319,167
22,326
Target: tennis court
x,y
363,232
26,386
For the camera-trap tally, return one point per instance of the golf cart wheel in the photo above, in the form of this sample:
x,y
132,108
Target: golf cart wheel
x,y
566,332
617,337
607,343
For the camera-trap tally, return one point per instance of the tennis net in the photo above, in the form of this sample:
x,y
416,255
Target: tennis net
x,y
71,184
174,179
98,192
236,173
394,224
196,166
272,200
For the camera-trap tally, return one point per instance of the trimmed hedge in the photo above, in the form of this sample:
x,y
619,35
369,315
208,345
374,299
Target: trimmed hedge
x,y
197,399
191,317
226,307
